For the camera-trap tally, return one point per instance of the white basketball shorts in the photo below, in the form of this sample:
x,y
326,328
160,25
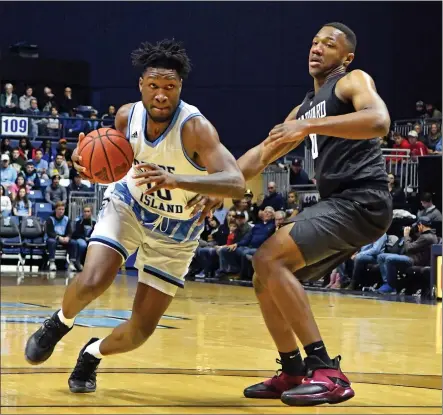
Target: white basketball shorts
x,y
162,262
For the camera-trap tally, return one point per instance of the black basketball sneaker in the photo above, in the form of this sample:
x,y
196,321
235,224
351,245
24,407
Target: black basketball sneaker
x,y
83,377
42,343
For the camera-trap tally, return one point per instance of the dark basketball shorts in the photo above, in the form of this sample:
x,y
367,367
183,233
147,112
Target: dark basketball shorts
x,y
330,231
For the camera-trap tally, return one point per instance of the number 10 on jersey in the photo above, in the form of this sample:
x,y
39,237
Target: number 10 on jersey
x,y
314,146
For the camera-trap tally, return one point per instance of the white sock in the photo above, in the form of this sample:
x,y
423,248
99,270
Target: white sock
x,y
94,349
66,321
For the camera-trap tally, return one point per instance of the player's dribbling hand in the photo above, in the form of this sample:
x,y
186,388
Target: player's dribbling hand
x,y
205,204
151,173
76,160
289,131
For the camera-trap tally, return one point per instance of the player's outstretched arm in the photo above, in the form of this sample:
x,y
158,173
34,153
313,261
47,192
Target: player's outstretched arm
x,y
370,119
201,143
254,161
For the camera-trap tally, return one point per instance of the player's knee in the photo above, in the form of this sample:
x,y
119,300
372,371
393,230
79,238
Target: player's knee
x,y
261,262
92,283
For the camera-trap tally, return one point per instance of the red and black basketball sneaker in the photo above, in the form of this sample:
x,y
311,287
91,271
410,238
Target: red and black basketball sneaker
x,y
274,387
322,384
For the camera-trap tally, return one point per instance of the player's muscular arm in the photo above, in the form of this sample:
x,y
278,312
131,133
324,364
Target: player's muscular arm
x,y
202,145
371,118
255,160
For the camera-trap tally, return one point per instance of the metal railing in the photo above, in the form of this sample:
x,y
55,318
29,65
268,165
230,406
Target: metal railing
x,y
399,162
78,200
404,126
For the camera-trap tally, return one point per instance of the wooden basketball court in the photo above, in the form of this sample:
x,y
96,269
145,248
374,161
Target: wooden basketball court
x,y
211,345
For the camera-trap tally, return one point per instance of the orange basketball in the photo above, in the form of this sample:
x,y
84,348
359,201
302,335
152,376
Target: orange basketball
x,y
106,154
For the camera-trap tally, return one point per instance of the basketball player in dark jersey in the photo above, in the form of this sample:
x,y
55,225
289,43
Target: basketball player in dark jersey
x,y
341,119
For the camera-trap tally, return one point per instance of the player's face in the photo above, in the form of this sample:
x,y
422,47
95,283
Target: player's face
x,y
329,50
160,89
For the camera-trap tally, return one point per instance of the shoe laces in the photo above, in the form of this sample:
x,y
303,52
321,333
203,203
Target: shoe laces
x,y
50,332
86,368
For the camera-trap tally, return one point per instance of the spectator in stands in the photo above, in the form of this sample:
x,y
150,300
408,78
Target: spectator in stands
x,y
59,231
417,147
417,253
59,166
273,199
402,144
56,193
25,99
232,257
93,123
5,203
419,130
255,208
206,257
49,153
7,173
292,207
53,124
397,193
438,147
434,136
73,127
22,206
76,185
297,175
367,255
250,206
48,101
432,111
82,232
17,185
31,177
16,160
8,100
5,146
108,119
25,148
420,111
41,165
220,213
243,226
35,122
63,149
279,219
429,209
67,103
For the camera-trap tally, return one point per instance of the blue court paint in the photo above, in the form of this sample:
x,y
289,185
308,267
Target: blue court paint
x,y
34,314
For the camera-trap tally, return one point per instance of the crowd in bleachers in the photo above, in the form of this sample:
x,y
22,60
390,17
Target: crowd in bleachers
x,y
53,116
37,179
232,236
422,137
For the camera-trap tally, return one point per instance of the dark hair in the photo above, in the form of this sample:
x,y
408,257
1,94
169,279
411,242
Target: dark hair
x,y
167,54
426,197
350,35
19,175
4,190
39,149
25,199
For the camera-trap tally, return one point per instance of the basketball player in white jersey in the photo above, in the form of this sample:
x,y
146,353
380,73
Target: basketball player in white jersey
x,y
176,148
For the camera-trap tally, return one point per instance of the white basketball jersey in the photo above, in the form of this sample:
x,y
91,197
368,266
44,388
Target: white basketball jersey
x,y
166,151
